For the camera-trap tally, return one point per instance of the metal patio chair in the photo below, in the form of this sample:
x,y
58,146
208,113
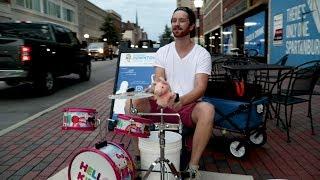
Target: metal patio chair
x,y
292,87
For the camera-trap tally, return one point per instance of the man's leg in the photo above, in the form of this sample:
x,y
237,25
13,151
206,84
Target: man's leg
x,y
202,115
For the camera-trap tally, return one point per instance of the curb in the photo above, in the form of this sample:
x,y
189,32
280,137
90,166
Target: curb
x,y
10,128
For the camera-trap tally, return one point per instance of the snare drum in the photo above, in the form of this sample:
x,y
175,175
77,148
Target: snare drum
x,y
79,119
108,162
133,125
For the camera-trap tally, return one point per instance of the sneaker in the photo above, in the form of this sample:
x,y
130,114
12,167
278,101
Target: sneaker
x,y
192,172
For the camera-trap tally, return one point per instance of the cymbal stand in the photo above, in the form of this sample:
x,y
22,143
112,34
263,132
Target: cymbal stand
x,y
133,110
162,160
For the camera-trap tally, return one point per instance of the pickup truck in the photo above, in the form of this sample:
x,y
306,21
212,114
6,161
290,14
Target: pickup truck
x,y
40,52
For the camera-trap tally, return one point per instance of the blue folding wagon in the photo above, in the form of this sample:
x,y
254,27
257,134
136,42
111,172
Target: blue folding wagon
x,y
244,117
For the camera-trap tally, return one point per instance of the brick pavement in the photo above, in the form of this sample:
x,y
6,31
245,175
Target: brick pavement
x,y
39,149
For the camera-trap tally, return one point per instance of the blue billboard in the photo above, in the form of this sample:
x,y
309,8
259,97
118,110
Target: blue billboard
x,y
254,33
294,30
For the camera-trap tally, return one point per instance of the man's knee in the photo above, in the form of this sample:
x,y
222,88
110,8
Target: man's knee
x,y
204,112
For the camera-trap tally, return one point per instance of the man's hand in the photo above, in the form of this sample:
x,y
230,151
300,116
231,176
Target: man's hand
x,y
151,87
176,106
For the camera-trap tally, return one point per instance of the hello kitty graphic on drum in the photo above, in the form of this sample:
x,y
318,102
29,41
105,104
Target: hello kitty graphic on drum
x,y
131,125
79,119
111,162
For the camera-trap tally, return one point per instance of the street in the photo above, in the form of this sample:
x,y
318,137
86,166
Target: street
x,y
20,102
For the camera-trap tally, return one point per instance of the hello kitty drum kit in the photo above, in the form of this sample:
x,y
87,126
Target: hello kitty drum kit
x,y
108,160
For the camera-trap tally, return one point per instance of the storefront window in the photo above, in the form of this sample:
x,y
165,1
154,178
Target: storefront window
x,y
215,42
45,6
30,4
254,33
52,9
227,34
20,2
68,15
36,5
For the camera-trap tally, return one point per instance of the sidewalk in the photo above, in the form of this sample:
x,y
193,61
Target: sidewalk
x,y
39,149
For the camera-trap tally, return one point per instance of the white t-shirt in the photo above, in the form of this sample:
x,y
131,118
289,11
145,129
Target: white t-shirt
x,y
180,73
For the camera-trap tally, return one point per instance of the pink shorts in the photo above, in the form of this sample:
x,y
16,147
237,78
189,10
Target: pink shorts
x,y
185,114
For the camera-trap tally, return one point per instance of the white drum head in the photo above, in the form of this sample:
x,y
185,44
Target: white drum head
x,y
91,164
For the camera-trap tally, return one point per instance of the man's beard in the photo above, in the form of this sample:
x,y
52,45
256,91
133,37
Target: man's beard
x,y
180,33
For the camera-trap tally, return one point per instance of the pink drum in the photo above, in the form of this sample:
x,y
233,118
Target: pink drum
x,y
109,162
133,125
79,119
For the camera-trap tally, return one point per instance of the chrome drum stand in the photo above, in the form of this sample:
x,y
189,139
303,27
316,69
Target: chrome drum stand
x,y
162,160
162,126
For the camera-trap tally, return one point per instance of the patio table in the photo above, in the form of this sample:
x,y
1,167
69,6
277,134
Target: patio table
x,y
244,69
256,67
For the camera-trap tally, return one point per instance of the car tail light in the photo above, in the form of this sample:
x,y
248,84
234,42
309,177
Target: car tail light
x,y
25,53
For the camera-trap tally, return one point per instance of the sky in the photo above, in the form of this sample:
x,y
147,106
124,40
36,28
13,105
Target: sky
x,y
153,15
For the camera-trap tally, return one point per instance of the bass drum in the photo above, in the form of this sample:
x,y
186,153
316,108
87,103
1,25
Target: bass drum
x,y
108,162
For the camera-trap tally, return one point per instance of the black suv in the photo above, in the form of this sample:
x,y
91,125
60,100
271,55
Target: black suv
x,y
40,52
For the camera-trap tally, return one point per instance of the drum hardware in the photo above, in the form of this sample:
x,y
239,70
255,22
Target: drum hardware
x,y
168,127
130,95
102,143
162,160
133,110
162,127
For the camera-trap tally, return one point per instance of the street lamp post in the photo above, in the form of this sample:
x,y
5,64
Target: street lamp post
x,y
198,4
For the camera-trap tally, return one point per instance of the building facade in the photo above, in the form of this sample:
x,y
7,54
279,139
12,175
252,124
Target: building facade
x,y
185,3
229,24
117,19
270,28
81,16
133,33
91,18
212,19
5,10
63,12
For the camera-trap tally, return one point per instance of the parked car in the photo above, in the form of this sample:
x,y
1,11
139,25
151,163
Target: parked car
x,y
145,44
100,50
40,52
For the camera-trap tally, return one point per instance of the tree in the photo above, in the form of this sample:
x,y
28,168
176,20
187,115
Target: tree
x,y
110,31
166,37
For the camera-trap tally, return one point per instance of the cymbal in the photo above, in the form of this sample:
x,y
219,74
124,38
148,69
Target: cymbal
x,y
130,95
